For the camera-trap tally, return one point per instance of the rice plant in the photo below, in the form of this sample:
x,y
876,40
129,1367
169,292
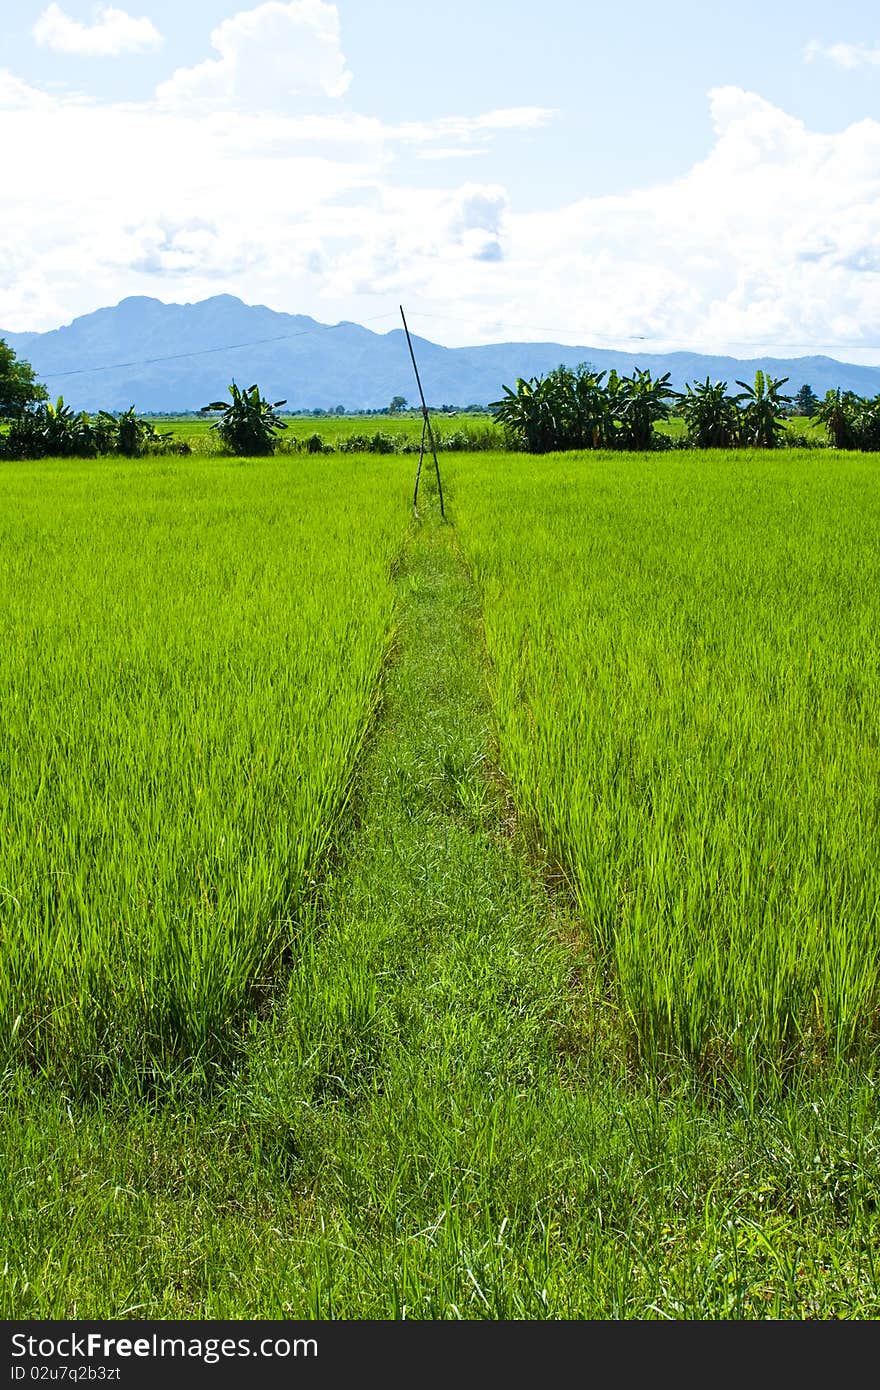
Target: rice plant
x,y
190,658
686,679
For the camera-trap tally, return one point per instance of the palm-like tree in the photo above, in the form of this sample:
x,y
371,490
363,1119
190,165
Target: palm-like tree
x,y
593,409
558,401
641,401
532,415
248,423
837,412
711,417
867,424
761,406
576,408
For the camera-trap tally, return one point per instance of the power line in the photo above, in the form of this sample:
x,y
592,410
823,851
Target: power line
x,y
531,328
448,318
203,352
645,337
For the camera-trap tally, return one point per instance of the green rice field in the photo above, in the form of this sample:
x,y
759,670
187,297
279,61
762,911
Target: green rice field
x,y
465,920
189,664
196,430
334,429
686,679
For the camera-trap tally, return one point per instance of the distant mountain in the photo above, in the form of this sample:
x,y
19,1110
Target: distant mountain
x,y
167,357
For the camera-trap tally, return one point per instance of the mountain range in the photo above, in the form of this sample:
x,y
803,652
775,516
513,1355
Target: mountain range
x,y
178,357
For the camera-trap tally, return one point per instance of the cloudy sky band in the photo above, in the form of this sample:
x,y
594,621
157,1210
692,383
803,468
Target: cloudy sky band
x,y
252,171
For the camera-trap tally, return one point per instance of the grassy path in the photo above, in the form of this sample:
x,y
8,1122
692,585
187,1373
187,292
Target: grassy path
x,y
429,1124
433,999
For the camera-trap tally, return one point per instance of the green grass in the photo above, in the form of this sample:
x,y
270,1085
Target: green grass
x,y
438,1109
434,1120
684,674
803,426
332,428
196,431
408,425
190,661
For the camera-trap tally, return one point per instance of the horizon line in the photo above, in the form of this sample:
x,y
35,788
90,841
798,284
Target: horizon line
x,y
613,345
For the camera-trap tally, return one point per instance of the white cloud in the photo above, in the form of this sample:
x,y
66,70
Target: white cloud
x,y
468,134
845,55
478,207
760,242
438,152
17,95
773,237
271,57
476,220
113,32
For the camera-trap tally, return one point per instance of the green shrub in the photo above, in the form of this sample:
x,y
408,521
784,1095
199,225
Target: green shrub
x,y
248,425
50,431
314,444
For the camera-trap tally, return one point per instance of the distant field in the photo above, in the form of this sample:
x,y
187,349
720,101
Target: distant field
x,y
798,424
332,428
197,431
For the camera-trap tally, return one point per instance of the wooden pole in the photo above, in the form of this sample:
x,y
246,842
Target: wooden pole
x,y
419,473
426,425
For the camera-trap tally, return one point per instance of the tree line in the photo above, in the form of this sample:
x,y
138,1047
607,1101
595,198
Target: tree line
x,y
247,425
580,408
40,428
569,408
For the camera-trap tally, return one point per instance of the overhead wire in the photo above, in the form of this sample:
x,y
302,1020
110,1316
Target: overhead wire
x,y
450,318
202,352
648,337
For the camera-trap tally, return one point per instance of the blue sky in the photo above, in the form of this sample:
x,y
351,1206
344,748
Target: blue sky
x,y
595,173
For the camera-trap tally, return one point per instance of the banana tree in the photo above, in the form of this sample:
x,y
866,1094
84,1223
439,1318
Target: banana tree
x,y
761,406
54,431
867,424
559,397
248,425
566,409
710,415
125,433
642,401
595,416
529,415
837,412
